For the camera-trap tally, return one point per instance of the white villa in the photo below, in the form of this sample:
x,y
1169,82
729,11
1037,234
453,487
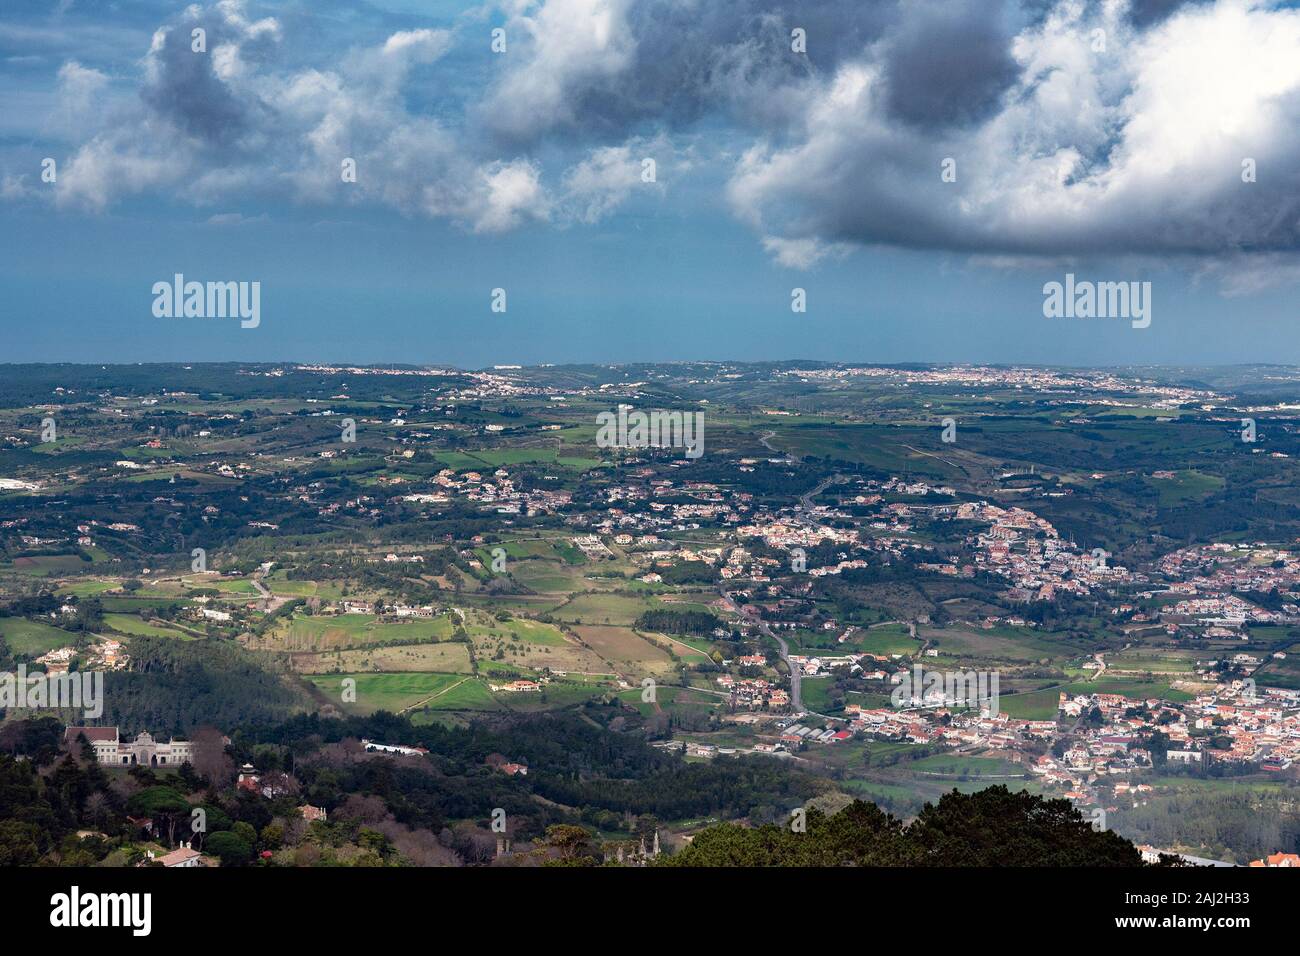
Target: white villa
x,y
112,751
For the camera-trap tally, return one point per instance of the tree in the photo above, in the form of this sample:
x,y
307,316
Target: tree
x,y
571,841
164,805
246,832
996,827
230,848
993,827
19,843
272,836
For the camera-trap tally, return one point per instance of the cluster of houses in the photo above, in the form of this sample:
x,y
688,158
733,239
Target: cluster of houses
x,y
946,725
754,692
496,492
102,654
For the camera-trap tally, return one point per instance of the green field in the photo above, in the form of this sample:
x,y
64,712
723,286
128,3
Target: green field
x,y
130,624
595,608
1001,642
492,458
48,565
33,638
520,629
335,632
397,692
955,765
1187,485
885,640
278,584
87,588
224,585
1042,705
816,693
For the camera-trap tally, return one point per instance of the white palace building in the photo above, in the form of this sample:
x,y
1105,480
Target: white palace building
x,y
112,751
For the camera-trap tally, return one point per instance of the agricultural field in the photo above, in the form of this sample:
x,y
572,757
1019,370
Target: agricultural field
x,y
327,590
450,658
88,588
131,624
625,650
342,631
886,639
592,608
998,643
46,565
400,692
33,638
1186,485
525,644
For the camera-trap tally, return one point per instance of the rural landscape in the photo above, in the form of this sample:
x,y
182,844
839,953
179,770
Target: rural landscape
x,y
691,452
400,615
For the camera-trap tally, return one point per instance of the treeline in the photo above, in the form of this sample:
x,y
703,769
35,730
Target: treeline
x,y
434,809
992,827
174,686
1239,823
573,758
689,572
699,623
756,787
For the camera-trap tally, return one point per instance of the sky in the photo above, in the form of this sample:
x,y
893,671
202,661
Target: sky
x,y
650,180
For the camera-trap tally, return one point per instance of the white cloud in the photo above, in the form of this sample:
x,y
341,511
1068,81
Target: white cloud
x,y
553,49
1067,151
79,84
797,253
609,175
102,171
507,194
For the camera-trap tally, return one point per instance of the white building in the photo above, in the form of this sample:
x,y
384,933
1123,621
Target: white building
x,y
112,751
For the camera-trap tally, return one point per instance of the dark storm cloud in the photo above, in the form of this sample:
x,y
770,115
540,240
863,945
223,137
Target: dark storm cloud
x,y
1180,140
183,86
688,60
949,63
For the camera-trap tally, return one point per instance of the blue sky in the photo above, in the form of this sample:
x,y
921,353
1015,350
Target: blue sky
x,y
1115,155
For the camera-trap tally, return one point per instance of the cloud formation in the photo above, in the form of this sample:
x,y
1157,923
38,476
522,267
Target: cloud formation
x,y
1069,128
1110,140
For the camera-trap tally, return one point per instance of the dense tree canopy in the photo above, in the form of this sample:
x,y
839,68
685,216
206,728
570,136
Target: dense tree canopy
x,y
994,827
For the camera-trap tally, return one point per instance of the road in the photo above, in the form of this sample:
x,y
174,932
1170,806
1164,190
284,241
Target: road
x,y
947,461
805,500
1101,666
796,695
765,441
796,677
271,602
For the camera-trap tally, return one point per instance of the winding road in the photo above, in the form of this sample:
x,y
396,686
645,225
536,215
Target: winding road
x,y
805,500
750,614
